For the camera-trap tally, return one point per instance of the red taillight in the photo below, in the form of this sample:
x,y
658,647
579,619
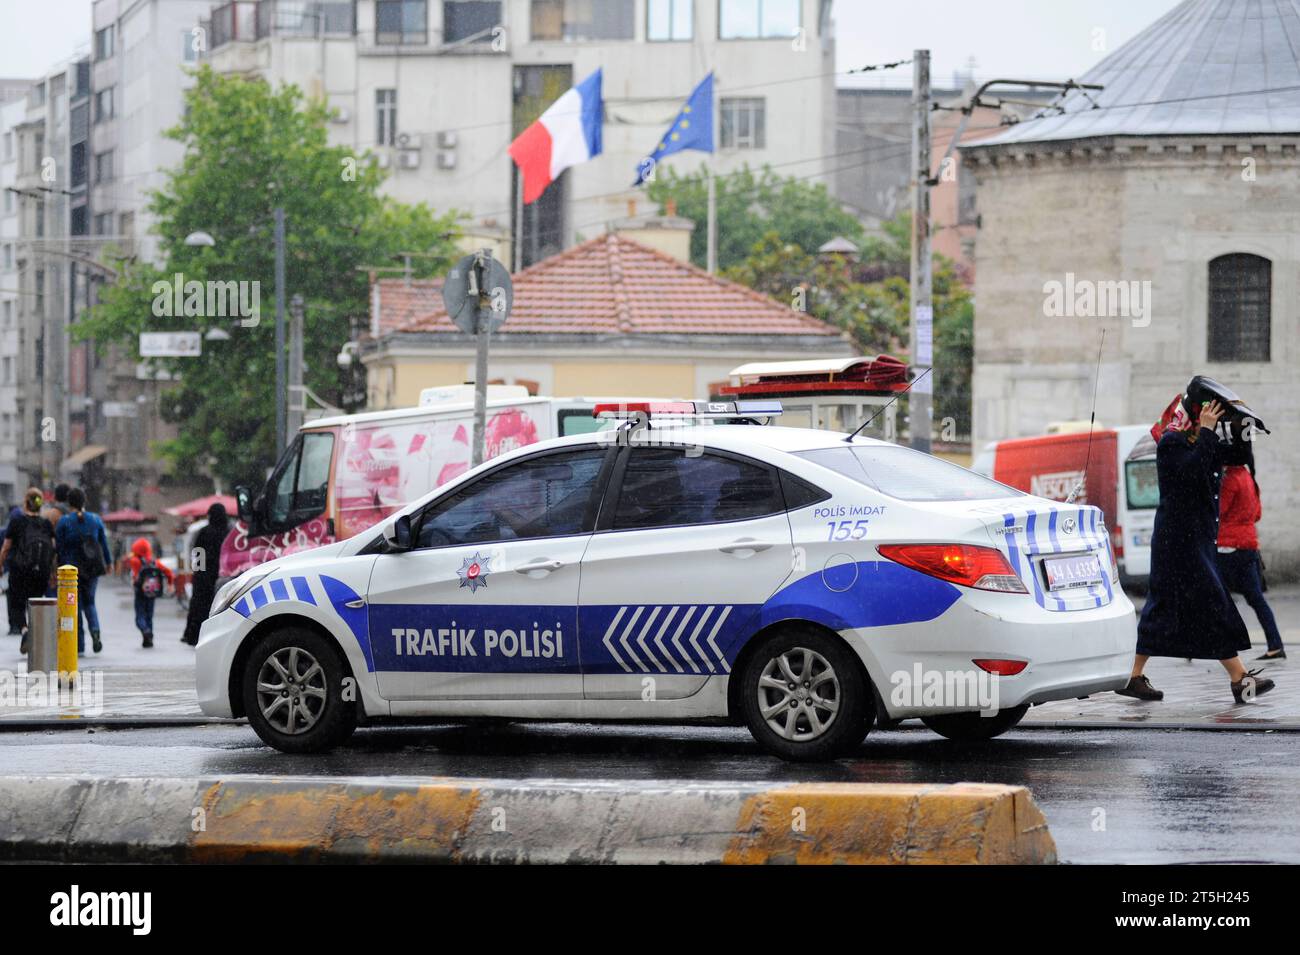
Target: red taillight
x,y
1117,541
1001,667
970,565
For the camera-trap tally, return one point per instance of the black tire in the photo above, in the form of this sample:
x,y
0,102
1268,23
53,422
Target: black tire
x,y
842,732
972,727
335,719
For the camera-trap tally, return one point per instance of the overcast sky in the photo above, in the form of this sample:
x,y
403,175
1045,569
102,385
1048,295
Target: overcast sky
x,y
1021,38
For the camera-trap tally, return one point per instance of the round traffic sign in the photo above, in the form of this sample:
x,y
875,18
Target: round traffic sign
x,y
469,284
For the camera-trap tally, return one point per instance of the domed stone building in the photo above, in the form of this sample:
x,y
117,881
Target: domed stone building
x,y
1165,209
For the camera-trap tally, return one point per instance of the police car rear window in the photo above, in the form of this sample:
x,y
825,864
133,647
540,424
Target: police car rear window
x,y
909,475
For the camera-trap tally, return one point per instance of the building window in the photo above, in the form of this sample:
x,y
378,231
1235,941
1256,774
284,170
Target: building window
x,y
104,166
104,104
9,145
77,221
670,19
127,227
578,20
78,171
103,223
1240,299
469,20
743,122
104,43
189,43
401,21
385,117
758,19
39,297
9,256
37,95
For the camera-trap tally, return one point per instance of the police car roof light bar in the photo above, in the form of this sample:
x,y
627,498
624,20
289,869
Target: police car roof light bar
x,y
688,409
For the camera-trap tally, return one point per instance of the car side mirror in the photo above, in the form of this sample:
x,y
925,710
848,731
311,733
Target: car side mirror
x,y
398,534
244,504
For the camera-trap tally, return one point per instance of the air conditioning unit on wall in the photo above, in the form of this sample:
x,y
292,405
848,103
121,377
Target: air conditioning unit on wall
x,y
408,159
383,160
446,159
408,141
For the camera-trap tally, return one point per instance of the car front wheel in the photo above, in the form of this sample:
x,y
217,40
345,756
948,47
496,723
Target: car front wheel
x,y
804,697
967,727
293,687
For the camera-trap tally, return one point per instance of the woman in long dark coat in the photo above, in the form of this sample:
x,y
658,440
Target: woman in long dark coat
x,y
208,540
1188,612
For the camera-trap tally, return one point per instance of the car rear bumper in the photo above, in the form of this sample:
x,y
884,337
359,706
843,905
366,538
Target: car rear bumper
x,y
921,669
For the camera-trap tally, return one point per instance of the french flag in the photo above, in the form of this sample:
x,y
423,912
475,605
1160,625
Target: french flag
x,y
566,134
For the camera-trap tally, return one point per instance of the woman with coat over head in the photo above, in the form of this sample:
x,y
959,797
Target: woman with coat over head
x,y
1189,612
207,547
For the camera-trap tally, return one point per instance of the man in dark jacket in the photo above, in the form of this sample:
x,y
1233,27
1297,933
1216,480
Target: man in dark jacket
x,y
206,562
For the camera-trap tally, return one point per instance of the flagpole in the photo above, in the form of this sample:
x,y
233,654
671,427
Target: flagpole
x,y
713,191
519,219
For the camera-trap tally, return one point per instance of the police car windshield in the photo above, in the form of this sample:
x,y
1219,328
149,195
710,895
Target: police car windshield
x,y
908,475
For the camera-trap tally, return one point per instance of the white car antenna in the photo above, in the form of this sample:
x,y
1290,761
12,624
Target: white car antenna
x,y
862,427
1092,422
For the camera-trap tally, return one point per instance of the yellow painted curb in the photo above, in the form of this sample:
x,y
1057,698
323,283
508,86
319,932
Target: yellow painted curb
x,y
333,820
891,824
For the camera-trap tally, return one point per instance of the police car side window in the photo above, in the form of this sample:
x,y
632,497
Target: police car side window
x,y
543,496
666,487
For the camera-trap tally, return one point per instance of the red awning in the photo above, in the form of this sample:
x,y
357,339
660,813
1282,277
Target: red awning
x,y
127,515
199,506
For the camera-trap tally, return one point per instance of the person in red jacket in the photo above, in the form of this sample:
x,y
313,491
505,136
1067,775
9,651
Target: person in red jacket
x,y
1239,563
149,579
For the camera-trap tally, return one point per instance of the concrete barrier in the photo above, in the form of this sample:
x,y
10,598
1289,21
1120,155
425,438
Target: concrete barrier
x,y
259,819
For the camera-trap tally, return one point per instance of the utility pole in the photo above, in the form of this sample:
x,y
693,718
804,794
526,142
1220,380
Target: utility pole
x,y
920,413
297,396
281,392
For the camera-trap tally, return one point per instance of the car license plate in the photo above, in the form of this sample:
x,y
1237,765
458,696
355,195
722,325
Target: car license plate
x,y
1079,570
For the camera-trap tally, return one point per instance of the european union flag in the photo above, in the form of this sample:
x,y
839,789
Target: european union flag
x,y
692,129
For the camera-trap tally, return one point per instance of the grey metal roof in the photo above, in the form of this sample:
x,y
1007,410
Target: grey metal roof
x,y
1198,70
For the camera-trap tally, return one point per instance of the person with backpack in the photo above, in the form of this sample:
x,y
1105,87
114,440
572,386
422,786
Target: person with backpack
x,y
82,541
54,511
150,579
29,540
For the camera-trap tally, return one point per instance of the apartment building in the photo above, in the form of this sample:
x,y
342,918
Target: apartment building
x,y
13,108
437,90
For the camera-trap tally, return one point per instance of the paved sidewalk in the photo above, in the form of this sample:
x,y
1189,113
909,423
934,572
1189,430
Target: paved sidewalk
x,y
143,686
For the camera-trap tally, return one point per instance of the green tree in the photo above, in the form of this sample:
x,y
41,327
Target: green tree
x,y
751,205
249,149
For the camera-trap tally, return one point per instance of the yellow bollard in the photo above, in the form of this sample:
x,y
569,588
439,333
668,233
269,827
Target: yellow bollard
x,y
68,621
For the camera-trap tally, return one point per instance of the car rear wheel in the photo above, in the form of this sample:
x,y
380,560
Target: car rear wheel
x,y
804,697
293,692
968,727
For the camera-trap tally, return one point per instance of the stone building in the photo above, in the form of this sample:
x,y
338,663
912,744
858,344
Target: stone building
x,y
1164,209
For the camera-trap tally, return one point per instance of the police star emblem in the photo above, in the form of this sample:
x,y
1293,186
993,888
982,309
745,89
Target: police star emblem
x,y
474,571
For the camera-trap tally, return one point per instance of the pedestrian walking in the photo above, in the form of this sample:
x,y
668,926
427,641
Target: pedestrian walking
x,y
1189,612
29,539
1240,565
54,511
82,541
149,579
12,604
205,562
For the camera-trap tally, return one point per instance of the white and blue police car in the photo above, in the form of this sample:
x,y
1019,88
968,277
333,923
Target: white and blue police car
x,y
806,583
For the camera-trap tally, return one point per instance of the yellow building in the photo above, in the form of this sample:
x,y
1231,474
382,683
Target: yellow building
x,y
611,316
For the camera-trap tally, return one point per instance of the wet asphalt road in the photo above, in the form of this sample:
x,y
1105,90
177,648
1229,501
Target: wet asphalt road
x,y
1110,796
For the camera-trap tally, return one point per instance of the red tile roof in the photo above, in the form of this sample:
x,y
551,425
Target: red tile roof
x,y
610,285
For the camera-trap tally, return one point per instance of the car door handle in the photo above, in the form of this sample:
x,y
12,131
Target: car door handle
x,y
749,544
539,567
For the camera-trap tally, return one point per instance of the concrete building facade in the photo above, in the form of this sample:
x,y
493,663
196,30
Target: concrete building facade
x,y
437,90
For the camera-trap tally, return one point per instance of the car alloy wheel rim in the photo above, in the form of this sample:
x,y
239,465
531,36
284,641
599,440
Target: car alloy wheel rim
x,y
291,691
799,694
